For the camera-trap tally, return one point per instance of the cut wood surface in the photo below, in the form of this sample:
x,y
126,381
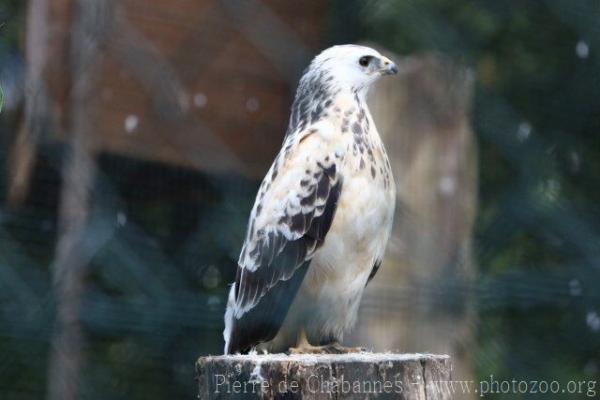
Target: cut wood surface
x,y
324,376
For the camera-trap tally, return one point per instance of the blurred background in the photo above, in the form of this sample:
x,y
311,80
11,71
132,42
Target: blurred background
x,y
134,135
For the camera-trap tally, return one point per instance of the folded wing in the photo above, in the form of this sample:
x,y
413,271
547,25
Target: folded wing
x,y
290,220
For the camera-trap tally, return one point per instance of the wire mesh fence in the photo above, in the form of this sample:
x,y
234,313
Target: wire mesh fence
x,y
135,134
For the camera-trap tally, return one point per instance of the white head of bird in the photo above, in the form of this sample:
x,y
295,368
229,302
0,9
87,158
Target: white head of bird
x,y
353,67
344,70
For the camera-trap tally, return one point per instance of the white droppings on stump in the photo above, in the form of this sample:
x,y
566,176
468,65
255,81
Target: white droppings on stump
x,y
323,376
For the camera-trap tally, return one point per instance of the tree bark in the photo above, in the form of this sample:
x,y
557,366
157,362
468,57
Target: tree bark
x,y
421,299
71,259
324,376
36,102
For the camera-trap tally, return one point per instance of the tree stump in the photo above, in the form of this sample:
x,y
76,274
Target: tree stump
x,y
324,376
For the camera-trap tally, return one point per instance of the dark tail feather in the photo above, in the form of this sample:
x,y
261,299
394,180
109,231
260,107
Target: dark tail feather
x,y
262,322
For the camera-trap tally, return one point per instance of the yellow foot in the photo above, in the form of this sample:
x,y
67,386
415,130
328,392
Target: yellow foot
x,y
306,348
333,348
336,348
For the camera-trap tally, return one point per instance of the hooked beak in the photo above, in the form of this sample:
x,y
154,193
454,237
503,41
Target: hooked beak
x,y
387,66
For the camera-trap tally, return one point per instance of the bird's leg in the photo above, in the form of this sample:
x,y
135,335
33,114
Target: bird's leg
x,y
336,348
303,347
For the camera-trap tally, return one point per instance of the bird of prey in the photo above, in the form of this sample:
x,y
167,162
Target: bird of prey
x,y
322,216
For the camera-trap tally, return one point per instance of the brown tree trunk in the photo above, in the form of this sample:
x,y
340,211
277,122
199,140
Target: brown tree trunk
x,y
36,101
325,376
420,300
71,259
46,87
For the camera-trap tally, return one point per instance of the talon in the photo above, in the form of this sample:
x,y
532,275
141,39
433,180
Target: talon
x,y
303,347
308,349
336,348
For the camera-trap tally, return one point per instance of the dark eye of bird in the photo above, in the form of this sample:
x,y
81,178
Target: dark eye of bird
x,y
364,60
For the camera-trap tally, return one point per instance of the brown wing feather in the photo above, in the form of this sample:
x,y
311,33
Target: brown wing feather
x,y
266,292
